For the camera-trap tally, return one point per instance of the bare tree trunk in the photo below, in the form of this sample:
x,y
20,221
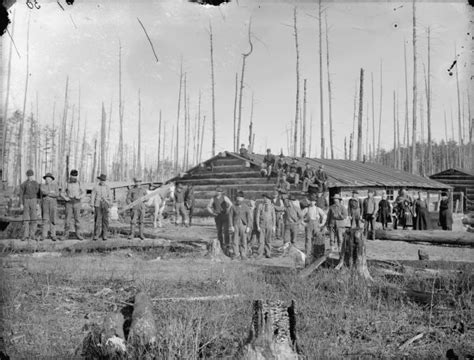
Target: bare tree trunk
x,y
428,107
345,147
4,159
399,158
185,123
202,137
351,141
310,133
103,168
120,146
359,127
461,142
422,140
158,165
321,102
244,58
250,147
213,92
446,141
304,120
139,152
198,131
235,113
94,164
108,142
176,158
83,153
373,118
331,135
413,145
471,125
20,132
380,110
394,130
77,133
295,135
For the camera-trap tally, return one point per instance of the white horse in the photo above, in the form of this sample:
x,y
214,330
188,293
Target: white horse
x,y
158,201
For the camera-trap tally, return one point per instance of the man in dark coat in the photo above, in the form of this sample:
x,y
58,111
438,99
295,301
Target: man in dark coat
x,y
72,195
189,201
29,193
268,164
445,214
354,209
101,200
321,178
336,223
369,214
219,207
49,206
240,224
422,215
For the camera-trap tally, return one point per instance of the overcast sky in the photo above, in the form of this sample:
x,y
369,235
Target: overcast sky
x,y
82,42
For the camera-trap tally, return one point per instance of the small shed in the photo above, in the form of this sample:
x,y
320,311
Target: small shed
x,y
462,181
233,173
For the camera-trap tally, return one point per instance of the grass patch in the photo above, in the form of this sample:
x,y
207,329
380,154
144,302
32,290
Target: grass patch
x,y
47,304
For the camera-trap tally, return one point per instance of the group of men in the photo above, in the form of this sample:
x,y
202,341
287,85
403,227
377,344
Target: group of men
x,y
47,194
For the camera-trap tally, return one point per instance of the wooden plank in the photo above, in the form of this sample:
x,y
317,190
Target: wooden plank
x,y
229,181
309,269
461,238
228,161
244,188
224,175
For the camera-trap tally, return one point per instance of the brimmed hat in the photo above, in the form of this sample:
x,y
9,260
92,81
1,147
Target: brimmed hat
x,y
371,191
240,194
444,193
137,179
355,192
102,177
48,175
269,150
29,172
74,173
219,189
312,197
337,196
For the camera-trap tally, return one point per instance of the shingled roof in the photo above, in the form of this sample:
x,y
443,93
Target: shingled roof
x,y
351,174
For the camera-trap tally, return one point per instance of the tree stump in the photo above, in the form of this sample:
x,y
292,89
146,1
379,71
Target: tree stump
x,y
106,341
143,332
273,332
215,252
353,252
423,255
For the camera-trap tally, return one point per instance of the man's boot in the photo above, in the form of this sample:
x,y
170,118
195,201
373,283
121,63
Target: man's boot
x,y
141,236
65,236
132,233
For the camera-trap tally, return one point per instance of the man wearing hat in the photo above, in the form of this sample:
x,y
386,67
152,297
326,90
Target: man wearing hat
x,y
445,214
336,215
73,194
321,178
308,177
180,207
294,173
138,211
266,226
244,152
355,209
292,217
369,214
29,193
322,202
219,207
314,218
240,223
268,164
101,200
279,206
49,206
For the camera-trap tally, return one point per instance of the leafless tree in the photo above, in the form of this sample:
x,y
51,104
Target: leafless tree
x,y
359,127
295,134
413,145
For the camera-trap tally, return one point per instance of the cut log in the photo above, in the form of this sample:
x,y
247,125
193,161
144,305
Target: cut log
x,y
230,181
423,255
143,332
353,252
463,238
312,267
161,191
272,333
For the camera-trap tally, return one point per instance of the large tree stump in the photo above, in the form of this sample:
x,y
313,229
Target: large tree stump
x,y
215,252
143,332
272,333
106,341
353,252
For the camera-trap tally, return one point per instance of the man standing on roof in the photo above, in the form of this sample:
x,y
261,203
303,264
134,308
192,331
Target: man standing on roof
x,y
244,152
240,222
293,216
49,206
266,224
314,218
29,192
101,200
336,215
369,214
268,164
180,207
219,207
138,211
279,206
73,195
355,209
321,178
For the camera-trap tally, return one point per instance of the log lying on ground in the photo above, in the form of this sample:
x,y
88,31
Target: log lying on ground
x,y
430,236
272,333
143,332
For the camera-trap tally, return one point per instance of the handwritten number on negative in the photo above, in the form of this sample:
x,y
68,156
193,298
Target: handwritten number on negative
x,y
33,4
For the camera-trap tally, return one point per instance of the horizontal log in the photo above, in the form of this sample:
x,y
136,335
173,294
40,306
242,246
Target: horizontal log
x,y
223,175
230,180
244,188
430,236
228,161
226,169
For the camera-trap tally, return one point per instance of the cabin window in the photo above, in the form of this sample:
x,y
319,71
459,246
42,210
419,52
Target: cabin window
x,y
390,194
